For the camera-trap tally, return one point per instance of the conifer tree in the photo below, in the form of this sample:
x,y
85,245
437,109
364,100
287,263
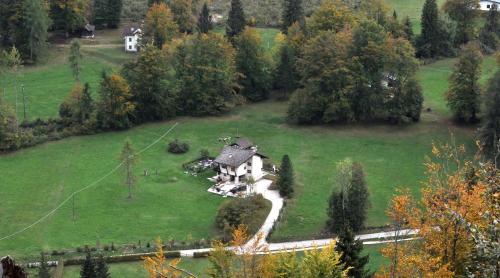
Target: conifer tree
x,y
102,268
350,250
114,12
292,12
408,29
88,267
36,22
464,13
285,177
465,90
428,42
204,20
490,130
236,20
490,33
99,13
43,270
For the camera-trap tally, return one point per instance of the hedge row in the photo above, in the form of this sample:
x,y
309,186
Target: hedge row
x,y
124,258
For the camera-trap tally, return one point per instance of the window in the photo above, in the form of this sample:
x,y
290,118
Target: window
x,y
488,6
249,163
130,47
249,171
130,39
232,169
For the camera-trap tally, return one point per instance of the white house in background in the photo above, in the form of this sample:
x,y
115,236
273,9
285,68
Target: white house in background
x,y
487,4
240,161
131,35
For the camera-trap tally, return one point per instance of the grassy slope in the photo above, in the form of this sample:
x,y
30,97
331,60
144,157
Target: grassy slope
x,y
411,8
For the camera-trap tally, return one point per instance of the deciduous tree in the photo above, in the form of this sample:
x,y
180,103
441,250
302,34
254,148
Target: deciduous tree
x,y
490,33
68,15
160,25
36,23
129,160
464,93
183,15
490,130
464,13
252,61
115,107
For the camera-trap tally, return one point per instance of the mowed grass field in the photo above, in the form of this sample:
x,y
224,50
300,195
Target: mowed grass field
x,y
412,9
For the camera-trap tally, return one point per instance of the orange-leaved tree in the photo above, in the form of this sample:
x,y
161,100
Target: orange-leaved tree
x,y
452,200
158,267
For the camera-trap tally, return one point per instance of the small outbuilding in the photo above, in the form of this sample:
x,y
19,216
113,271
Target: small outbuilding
x,y
132,35
88,31
486,5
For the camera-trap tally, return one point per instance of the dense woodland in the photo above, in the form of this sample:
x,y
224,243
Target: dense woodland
x,y
340,62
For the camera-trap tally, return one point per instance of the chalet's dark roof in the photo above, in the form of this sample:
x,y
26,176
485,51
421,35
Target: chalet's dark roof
x,y
244,143
130,30
234,156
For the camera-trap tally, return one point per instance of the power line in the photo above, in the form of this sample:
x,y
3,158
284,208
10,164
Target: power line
x,y
86,187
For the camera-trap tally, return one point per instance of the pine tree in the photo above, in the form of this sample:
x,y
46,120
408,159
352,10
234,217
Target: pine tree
x,y
285,177
36,23
490,130
408,29
358,198
465,90
99,13
75,57
102,268
428,41
350,250
88,268
204,20
490,33
114,12
292,12
286,78
236,21
43,270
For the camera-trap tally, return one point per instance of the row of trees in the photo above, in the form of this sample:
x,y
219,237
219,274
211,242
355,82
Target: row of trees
x,y
346,65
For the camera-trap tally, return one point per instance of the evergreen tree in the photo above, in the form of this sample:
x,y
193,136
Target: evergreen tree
x,y
101,268
285,177
88,268
99,13
292,12
254,64
408,29
286,78
348,205
114,12
490,130
490,33
236,21
465,90
75,57
204,20
43,270
432,41
68,15
36,23
350,250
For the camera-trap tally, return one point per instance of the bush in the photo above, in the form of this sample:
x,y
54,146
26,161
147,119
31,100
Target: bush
x,y
204,153
178,147
250,212
201,254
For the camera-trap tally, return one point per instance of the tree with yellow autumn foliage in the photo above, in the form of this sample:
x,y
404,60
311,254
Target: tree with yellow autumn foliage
x,y
160,25
452,217
158,267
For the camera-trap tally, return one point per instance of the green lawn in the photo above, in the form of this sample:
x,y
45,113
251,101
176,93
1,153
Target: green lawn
x,y
411,8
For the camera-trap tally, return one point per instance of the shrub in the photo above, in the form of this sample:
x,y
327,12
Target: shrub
x,y
200,254
204,153
178,147
249,211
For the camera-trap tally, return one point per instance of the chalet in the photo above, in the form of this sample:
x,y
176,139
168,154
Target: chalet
x,y
131,35
486,5
239,162
88,31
